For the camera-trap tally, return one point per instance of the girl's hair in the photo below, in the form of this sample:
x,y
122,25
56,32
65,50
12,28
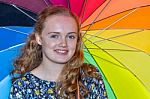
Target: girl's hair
x,y
31,55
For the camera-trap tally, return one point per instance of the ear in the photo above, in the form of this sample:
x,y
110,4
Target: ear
x,y
38,39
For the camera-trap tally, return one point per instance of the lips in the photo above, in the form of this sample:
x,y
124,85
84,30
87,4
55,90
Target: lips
x,y
61,51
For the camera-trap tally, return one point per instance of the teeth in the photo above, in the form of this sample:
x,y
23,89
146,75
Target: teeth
x,y
61,51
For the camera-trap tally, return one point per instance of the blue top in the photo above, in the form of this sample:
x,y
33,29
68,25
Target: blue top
x,y
29,86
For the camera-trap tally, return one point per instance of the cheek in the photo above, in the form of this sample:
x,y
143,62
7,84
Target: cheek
x,y
48,44
73,45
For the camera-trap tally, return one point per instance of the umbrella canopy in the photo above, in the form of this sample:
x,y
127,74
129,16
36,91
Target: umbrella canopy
x,y
116,39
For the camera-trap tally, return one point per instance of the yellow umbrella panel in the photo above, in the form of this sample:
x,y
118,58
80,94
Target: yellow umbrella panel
x,y
126,68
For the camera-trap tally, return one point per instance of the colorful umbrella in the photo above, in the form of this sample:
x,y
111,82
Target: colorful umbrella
x,y
116,40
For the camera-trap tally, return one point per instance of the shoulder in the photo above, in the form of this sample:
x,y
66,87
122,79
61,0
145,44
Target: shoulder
x,y
89,66
18,87
24,82
21,81
90,70
93,81
91,75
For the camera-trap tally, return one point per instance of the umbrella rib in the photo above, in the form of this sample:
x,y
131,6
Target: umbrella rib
x,y
84,5
102,72
68,4
88,53
96,18
86,59
10,1
50,2
106,60
23,12
110,55
14,30
121,50
11,47
106,52
46,2
101,31
138,31
120,44
116,49
125,67
81,9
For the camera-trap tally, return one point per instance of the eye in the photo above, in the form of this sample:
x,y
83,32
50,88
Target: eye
x,y
71,36
54,36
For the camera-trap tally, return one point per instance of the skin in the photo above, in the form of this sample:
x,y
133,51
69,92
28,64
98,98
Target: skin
x,y
58,41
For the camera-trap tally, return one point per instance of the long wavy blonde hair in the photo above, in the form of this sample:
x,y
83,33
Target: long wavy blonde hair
x,y
31,56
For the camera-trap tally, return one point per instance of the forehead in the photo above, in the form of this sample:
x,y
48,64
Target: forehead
x,y
60,17
58,23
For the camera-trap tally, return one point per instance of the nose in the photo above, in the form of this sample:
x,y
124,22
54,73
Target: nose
x,y
63,42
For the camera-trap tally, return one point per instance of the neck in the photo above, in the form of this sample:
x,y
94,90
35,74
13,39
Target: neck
x,y
48,71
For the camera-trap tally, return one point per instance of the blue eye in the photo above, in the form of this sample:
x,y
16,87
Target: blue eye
x,y
71,36
54,36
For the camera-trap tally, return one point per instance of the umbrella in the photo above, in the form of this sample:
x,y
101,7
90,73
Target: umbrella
x,y
116,40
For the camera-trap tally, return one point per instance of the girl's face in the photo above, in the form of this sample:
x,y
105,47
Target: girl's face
x,y
58,39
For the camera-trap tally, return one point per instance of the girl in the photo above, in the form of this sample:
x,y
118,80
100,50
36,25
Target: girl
x,y
51,63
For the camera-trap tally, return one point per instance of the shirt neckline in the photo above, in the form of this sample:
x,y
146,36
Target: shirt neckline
x,y
39,79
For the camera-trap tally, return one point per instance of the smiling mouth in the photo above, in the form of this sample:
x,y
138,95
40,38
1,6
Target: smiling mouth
x,y
62,52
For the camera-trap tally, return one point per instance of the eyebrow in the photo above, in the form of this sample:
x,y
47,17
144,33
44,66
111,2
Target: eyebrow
x,y
54,32
72,33
59,32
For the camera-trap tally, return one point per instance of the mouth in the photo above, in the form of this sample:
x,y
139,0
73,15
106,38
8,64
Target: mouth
x,y
61,51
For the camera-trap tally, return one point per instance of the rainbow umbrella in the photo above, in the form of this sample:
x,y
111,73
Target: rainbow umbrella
x,y
116,40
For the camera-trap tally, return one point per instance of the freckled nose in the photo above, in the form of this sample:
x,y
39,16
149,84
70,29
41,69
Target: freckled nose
x,y
63,42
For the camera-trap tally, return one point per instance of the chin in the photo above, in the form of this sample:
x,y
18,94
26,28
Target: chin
x,y
62,61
